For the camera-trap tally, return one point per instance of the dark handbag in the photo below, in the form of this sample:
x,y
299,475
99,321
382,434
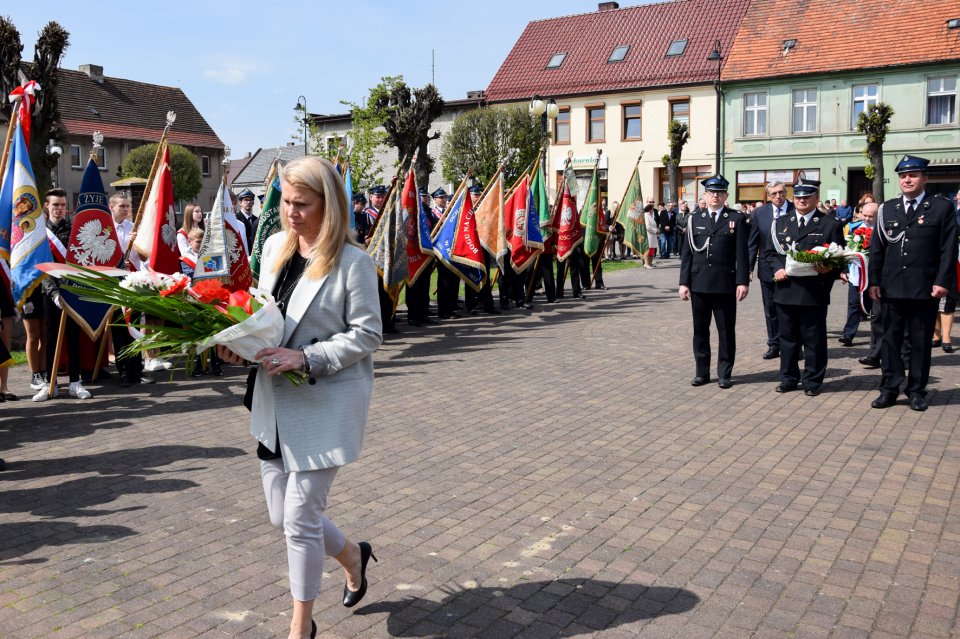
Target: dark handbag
x,y
251,383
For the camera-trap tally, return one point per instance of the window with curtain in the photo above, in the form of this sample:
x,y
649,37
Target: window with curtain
x,y
595,124
864,97
755,114
680,111
804,110
942,100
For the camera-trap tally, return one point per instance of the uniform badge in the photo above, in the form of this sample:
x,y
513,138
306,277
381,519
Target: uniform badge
x,y
896,224
725,214
731,224
788,238
703,215
920,221
816,219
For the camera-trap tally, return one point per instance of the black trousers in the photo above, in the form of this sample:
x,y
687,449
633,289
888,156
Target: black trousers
x,y
71,340
770,314
130,367
418,297
854,311
571,265
876,329
386,306
591,265
511,286
472,299
722,307
804,326
545,267
916,318
448,291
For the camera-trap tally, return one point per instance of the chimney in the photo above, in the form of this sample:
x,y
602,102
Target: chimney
x,y
608,6
476,95
93,71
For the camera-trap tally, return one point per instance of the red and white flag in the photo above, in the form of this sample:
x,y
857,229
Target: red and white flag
x,y
157,233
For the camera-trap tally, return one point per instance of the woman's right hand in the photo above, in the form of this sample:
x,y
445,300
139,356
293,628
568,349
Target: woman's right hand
x,y
228,356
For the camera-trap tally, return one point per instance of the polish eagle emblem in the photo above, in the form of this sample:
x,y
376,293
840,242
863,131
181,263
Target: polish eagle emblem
x,y
94,245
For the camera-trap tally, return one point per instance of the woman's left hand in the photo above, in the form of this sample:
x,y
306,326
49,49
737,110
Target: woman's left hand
x,y
280,360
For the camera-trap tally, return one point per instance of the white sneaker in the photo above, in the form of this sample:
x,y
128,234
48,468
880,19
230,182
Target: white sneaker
x,y
77,390
157,364
44,393
36,382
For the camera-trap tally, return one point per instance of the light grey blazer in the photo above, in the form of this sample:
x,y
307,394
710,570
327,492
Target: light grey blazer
x,y
336,319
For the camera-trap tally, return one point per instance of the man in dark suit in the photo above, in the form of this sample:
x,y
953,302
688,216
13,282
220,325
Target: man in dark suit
x,y
913,263
714,276
246,216
666,221
802,301
763,218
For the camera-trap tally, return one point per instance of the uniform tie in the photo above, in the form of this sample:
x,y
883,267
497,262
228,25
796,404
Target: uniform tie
x,y
803,222
911,207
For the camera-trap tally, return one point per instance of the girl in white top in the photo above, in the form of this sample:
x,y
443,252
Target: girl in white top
x,y
192,218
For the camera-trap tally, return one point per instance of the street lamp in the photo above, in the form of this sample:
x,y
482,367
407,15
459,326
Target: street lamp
x,y
306,128
547,111
716,55
54,151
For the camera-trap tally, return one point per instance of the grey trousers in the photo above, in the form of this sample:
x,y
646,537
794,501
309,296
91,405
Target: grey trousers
x,y
296,502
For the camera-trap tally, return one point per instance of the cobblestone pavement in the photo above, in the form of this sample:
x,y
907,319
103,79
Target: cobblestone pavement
x,y
538,474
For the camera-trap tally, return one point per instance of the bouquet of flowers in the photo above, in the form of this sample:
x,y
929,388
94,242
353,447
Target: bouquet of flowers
x,y
859,240
802,263
197,315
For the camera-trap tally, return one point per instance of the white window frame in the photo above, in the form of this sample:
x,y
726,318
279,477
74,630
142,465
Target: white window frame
x,y
79,152
940,94
752,114
805,106
867,101
102,158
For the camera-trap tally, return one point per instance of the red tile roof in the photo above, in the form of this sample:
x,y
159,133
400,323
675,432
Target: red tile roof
x,y
839,35
130,110
590,38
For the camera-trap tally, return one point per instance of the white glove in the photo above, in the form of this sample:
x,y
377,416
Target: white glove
x,y
56,301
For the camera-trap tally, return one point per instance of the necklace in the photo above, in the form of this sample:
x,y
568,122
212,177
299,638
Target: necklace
x,y
283,290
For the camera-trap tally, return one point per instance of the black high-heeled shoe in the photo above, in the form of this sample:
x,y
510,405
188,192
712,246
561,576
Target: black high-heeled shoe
x,y
352,597
313,629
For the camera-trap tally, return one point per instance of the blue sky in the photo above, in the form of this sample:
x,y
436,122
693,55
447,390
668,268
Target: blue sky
x,y
243,64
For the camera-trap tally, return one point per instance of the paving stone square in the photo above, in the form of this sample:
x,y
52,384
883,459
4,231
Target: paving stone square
x,y
542,473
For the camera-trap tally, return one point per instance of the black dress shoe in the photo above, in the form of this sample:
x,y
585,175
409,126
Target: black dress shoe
x,y
870,362
700,380
772,353
935,343
724,382
811,392
580,295
948,348
917,402
885,400
427,320
784,387
600,287
216,368
352,597
492,311
415,323
846,341
391,330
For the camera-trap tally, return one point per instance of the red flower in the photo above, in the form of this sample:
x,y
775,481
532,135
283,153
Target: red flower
x,y
210,291
827,245
178,285
243,300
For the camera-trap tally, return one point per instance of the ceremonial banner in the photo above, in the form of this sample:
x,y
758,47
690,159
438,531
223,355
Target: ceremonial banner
x,y
445,241
522,222
269,224
489,217
417,229
348,184
212,259
631,217
157,232
541,201
23,231
388,247
466,249
569,231
592,217
93,242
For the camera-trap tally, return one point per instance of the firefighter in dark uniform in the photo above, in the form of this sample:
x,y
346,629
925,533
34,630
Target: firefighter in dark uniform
x,y
913,263
448,283
418,295
474,301
246,216
802,302
360,220
378,196
714,276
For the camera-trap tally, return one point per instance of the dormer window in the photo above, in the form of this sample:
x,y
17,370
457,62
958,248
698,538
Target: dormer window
x,y
556,60
677,47
619,54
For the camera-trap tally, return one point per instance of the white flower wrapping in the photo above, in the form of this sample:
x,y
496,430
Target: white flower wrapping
x,y
263,329
806,269
799,269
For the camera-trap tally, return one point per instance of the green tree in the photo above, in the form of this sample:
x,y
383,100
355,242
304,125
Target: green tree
x,y
184,168
52,41
677,134
409,115
874,122
483,138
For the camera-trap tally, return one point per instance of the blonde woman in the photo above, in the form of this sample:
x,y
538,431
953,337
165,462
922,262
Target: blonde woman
x,y
326,287
192,218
